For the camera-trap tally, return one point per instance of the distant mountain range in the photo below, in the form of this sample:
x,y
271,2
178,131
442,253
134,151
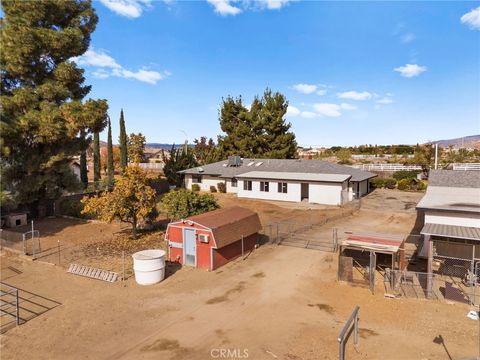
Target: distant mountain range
x,y
466,141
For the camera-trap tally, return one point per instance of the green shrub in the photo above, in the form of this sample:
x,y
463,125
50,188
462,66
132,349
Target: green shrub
x,y
405,184
213,189
405,174
182,203
195,187
377,183
421,185
221,187
160,185
73,208
390,183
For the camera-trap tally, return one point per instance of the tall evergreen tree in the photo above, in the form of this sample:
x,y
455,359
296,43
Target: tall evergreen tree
x,y
258,132
175,161
110,167
83,165
42,113
96,159
122,140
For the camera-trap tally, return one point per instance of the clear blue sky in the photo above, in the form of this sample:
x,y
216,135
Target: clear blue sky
x,y
353,72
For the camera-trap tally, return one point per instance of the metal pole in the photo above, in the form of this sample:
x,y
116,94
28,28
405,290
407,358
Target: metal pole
x,y
17,310
341,356
355,330
276,238
58,243
436,156
123,265
242,249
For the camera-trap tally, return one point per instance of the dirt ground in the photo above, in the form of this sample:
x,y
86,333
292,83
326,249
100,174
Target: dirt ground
x,y
280,303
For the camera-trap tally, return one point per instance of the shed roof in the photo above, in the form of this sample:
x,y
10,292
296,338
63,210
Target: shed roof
x,y
295,176
222,169
454,178
389,243
229,224
451,231
445,198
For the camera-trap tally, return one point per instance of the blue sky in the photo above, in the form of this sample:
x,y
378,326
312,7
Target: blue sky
x,y
353,72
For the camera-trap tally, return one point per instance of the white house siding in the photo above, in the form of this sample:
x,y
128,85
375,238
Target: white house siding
x,y
325,193
207,181
293,191
319,193
362,189
230,188
451,218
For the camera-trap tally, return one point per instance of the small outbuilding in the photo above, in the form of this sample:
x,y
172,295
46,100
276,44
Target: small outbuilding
x,y
212,239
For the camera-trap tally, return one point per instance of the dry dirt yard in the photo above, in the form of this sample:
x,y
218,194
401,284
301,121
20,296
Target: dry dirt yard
x,y
280,303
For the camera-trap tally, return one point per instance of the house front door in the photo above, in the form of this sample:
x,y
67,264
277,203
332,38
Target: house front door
x,y
189,246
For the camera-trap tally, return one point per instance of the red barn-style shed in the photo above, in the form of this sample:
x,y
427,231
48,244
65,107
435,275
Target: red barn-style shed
x,y
212,239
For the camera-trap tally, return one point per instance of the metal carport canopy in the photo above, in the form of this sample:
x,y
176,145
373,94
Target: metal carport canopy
x,y
451,231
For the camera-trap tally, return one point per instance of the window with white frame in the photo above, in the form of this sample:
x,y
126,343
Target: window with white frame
x,y
247,185
282,187
197,179
264,186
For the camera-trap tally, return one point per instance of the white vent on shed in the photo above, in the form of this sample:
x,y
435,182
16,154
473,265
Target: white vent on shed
x,y
203,238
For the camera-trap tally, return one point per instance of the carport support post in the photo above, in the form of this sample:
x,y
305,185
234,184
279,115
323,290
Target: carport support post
x,y
429,267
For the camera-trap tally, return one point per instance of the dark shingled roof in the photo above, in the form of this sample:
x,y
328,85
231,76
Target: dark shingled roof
x,y
454,178
229,224
279,165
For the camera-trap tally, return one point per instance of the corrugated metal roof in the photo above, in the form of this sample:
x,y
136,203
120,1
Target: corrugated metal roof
x,y
295,176
376,242
454,178
451,198
452,231
222,169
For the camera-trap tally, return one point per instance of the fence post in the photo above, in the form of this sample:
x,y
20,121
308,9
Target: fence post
x,y
243,258
276,237
58,243
123,265
17,308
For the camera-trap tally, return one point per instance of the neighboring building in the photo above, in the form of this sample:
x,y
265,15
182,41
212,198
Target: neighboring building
x,y
314,181
212,239
451,233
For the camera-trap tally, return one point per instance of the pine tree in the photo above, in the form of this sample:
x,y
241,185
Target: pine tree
x,y
96,159
258,132
123,143
110,167
42,114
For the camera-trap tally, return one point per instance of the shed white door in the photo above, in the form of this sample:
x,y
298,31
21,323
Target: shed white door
x,y
189,247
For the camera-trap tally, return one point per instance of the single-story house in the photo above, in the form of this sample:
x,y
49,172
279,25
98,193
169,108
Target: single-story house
x,y
212,239
451,232
315,181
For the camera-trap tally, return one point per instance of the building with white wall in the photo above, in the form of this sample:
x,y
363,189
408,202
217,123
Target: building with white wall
x,y
451,207
315,181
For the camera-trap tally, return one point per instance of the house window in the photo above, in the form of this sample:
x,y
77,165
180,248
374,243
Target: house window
x,y
234,182
264,186
282,187
197,179
247,185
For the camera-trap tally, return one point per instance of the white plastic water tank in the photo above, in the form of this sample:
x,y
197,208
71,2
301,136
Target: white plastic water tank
x,y
149,266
